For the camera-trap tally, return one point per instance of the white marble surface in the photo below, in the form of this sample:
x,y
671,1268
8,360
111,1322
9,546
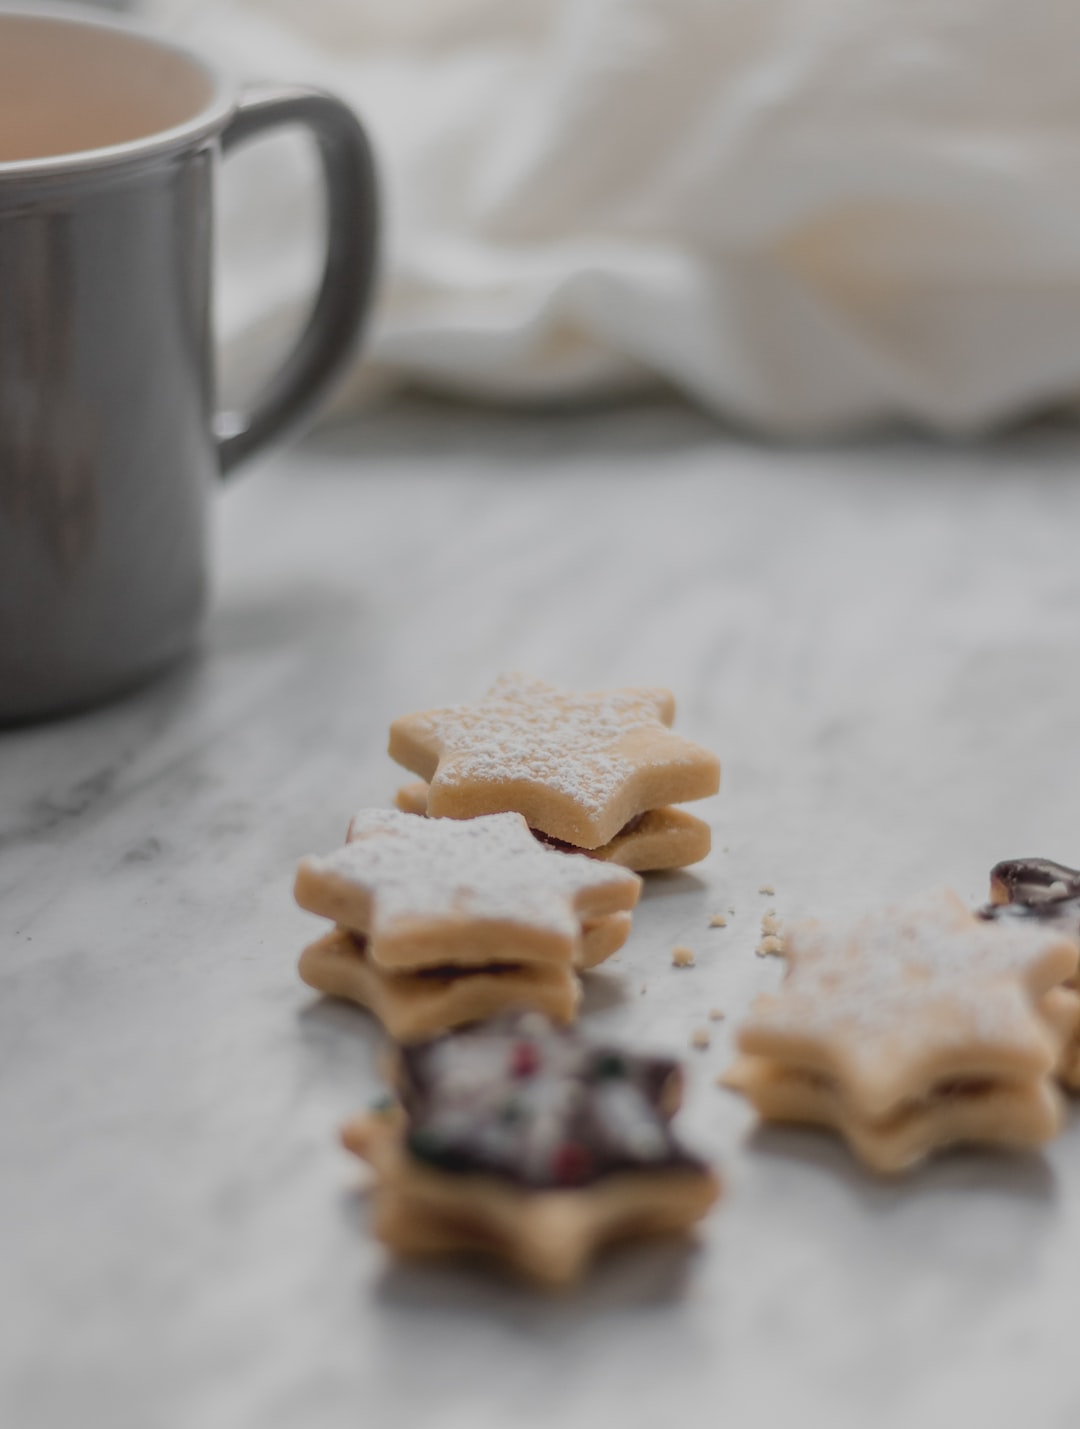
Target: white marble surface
x,y
882,643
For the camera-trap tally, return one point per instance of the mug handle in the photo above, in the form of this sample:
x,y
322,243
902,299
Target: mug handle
x,y
328,340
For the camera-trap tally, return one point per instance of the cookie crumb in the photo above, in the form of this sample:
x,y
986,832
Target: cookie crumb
x,y
700,1038
767,888
682,957
770,923
716,1014
718,921
770,946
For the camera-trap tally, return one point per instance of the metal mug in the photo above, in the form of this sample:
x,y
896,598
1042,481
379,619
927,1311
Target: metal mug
x,y
110,441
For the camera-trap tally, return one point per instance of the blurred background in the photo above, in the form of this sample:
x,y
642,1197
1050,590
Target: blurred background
x,y
807,217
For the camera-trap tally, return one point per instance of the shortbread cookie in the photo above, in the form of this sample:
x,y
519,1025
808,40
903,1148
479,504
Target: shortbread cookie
x,y
601,937
519,1141
659,839
912,1029
578,766
423,1004
901,1000
951,1112
461,893
1061,1010
410,799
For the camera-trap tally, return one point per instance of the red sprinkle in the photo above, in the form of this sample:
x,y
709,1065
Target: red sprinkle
x,y
570,1164
524,1059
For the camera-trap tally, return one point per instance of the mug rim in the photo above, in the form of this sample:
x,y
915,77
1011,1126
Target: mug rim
x,y
210,118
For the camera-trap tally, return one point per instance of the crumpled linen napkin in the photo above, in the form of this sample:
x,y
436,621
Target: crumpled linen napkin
x,y
808,215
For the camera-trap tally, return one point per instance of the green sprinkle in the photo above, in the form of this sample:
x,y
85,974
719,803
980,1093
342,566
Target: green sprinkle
x,y
425,1145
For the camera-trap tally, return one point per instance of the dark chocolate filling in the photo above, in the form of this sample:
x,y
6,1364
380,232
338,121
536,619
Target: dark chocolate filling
x,y
1026,888
1029,881
521,1099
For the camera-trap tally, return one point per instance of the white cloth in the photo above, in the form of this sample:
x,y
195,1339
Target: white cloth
x,y
808,215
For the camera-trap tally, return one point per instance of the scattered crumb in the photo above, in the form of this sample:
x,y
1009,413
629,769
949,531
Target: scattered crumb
x,y
700,1038
682,958
770,923
767,888
770,946
716,1014
718,921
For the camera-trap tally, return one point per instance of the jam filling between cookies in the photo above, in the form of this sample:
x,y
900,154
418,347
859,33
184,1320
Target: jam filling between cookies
x,y
946,1089
526,1101
452,973
630,827
443,973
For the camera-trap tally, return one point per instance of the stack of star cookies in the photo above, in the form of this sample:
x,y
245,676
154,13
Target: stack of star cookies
x,y
520,1141
599,773
912,1029
440,922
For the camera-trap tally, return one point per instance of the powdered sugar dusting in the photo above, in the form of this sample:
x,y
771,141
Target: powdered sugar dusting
x,y
924,973
527,729
488,868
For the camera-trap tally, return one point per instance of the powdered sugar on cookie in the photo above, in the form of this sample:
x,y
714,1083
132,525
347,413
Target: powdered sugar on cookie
x,y
888,999
484,869
527,729
578,765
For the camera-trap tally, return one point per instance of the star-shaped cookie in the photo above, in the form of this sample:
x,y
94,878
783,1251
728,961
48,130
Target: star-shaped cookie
x,y
414,1005
957,1112
898,1002
658,839
443,892
518,1140
433,1000
578,766
1061,1010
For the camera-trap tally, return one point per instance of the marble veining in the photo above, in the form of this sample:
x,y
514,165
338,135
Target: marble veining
x,y
883,645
